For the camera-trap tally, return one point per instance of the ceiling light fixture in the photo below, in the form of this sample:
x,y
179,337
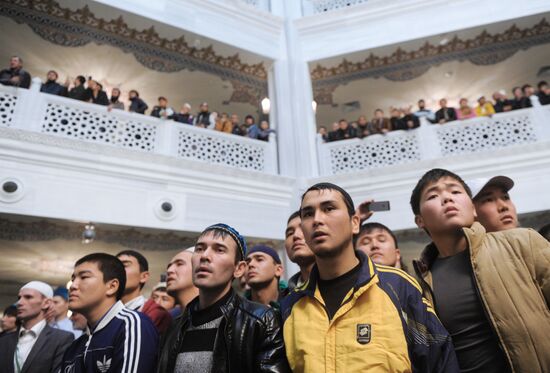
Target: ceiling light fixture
x,y
88,234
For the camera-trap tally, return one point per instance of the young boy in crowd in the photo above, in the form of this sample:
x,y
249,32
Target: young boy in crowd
x,y
118,339
298,251
490,290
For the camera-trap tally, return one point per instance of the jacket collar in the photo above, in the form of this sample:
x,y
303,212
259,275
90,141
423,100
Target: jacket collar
x,y
366,273
136,304
227,307
106,319
474,235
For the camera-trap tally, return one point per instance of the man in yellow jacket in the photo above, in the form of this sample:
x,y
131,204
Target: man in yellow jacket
x,y
490,290
353,315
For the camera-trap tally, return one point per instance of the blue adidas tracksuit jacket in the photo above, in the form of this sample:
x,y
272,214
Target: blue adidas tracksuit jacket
x,y
124,341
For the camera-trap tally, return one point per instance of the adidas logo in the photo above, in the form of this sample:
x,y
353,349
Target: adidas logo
x,y
104,365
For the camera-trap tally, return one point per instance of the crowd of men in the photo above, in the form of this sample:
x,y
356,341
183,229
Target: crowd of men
x,y
479,303
90,90
405,119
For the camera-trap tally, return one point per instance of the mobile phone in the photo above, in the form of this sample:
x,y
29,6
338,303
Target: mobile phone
x,y
379,206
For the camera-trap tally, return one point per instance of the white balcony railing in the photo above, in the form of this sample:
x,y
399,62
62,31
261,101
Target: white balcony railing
x,y
433,141
312,7
28,109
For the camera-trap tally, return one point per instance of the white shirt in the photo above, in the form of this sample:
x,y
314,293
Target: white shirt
x,y
25,342
66,325
136,304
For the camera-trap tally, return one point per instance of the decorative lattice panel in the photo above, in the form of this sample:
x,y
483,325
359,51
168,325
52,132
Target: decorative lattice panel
x,y
222,151
490,134
7,107
373,153
255,3
321,6
98,127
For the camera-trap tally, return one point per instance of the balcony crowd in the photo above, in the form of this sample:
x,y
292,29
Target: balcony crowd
x,y
479,302
406,119
90,90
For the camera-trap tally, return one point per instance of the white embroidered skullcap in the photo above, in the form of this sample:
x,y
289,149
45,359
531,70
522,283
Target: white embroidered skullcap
x,y
41,287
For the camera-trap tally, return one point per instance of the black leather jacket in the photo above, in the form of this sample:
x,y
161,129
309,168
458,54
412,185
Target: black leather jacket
x,y
252,339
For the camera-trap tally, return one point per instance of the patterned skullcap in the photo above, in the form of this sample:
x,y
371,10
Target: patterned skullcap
x,y
241,244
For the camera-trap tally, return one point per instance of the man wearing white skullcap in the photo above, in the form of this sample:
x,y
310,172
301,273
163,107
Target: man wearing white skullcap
x,y
35,347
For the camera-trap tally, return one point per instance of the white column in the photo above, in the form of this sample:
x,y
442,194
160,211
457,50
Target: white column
x,y
292,101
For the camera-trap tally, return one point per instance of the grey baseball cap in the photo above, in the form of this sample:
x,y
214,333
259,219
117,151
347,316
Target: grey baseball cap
x,y
478,185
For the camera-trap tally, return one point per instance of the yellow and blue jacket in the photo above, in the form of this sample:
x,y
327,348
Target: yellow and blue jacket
x,y
383,325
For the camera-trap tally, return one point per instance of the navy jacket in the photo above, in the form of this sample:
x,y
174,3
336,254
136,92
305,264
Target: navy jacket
x,y
123,341
53,88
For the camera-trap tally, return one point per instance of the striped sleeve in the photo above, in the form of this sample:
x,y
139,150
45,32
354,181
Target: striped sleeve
x,y
136,351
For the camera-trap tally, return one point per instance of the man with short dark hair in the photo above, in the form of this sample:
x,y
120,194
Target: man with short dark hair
x,y
179,279
379,124
162,110
219,330
9,320
380,244
51,85
422,112
15,75
543,92
117,339
353,315
409,120
137,274
236,126
345,131
35,347
298,251
444,114
137,105
252,129
263,275
494,207
79,92
519,101
97,95
490,290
